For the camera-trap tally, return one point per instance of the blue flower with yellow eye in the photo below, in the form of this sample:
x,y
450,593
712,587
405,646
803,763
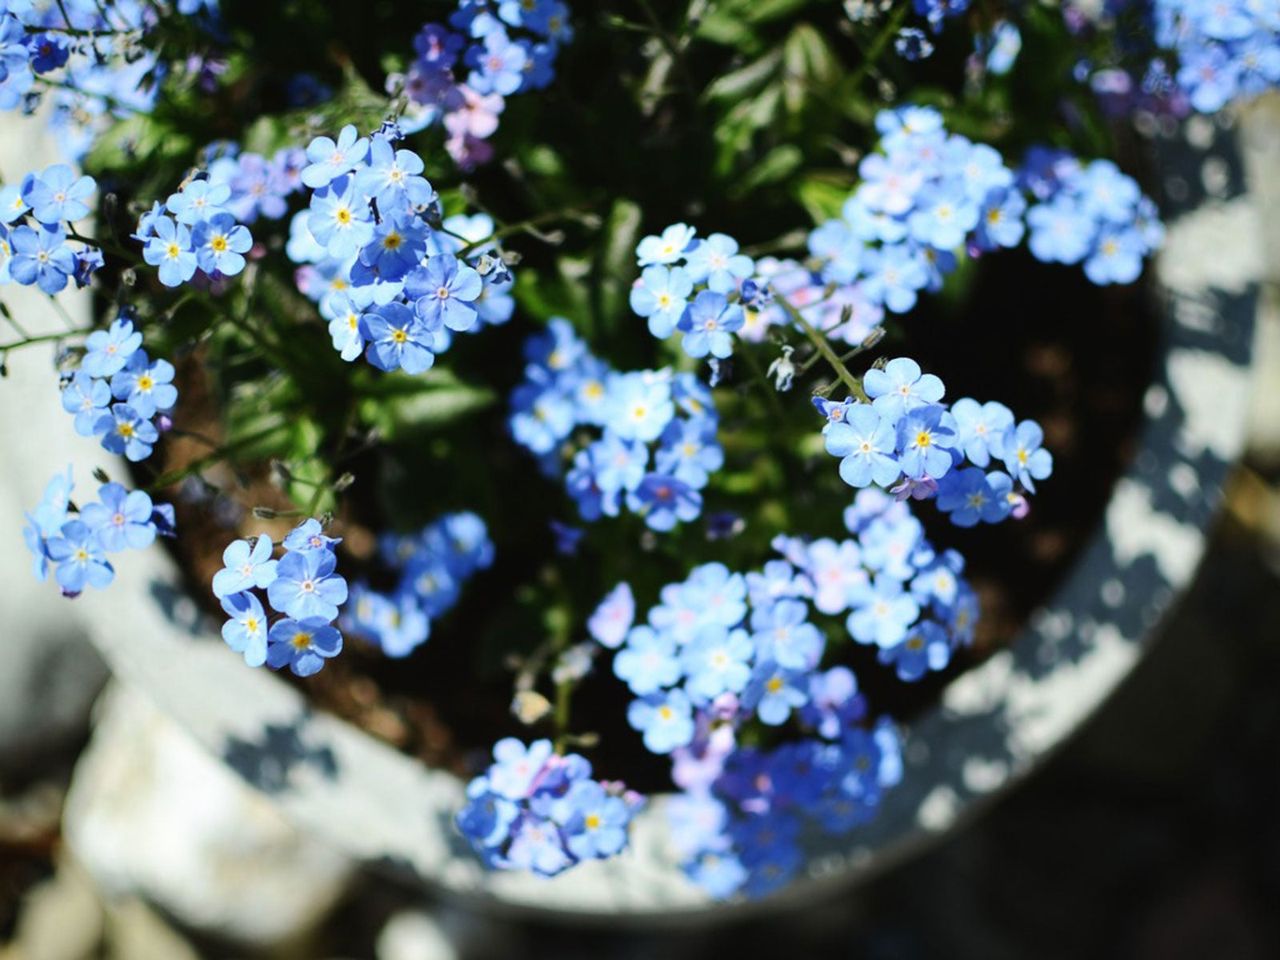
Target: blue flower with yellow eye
x,y
665,719
708,323
124,431
246,631
302,645
398,339
81,559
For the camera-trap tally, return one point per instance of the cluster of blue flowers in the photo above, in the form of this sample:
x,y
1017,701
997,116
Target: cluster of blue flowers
x,y
119,393
36,217
433,565
85,57
1091,213
194,230
909,442
696,287
303,586
722,650
535,809
927,197
657,448
1227,50
391,285
463,72
259,186
75,543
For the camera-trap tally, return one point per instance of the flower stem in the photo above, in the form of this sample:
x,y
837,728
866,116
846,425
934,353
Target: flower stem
x,y
823,347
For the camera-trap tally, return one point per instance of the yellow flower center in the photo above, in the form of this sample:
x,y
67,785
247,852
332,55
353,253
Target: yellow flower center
x,y
218,243
343,216
774,684
301,640
399,336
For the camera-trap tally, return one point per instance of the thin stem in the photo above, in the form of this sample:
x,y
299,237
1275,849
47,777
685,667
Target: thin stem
x,y
886,34
224,452
42,338
823,347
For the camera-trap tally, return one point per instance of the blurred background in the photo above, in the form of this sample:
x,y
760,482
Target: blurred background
x,y
1151,834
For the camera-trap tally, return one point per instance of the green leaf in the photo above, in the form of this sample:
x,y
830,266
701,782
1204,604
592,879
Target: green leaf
x,y
736,85
400,414
616,266
823,194
778,163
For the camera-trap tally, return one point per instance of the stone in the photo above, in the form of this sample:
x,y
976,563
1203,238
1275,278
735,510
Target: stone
x,y
151,815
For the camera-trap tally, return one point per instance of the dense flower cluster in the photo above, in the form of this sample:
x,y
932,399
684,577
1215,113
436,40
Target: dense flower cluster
x,y
194,230
907,441
696,287
1091,213
1227,50
119,393
258,186
722,650
388,282
75,543
433,565
85,57
657,447
36,218
303,586
464,71
535,809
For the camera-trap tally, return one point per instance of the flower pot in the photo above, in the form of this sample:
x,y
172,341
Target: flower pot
x,y
993,724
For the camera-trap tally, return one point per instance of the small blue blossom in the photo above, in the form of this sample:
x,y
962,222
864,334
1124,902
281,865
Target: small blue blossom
x,y
109,351
171,251
57,195
445,291
667,248
716,262
1023,454
87,398
774,692
783,635
121,519
245,566
666,720
246,631
80,557
220,244
972,496
145,385
648,662
612,619
866,442
124,431
661,295
41,257
901,387
708,323
884,615
328,160
927,647
306,586
398,339
302,645
716,661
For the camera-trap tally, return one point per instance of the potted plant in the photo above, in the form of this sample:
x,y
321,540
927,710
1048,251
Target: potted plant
x,y
616,418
